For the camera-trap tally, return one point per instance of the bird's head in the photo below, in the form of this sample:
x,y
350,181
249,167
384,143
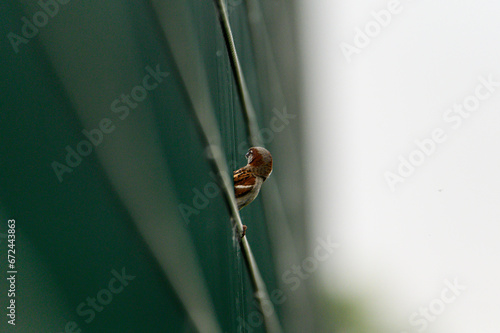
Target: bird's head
x,y
261,160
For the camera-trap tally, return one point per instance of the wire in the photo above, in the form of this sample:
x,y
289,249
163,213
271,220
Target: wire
x,y
270,318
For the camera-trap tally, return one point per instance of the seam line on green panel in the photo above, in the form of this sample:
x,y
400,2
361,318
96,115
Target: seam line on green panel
x,y
271,321
192,73
249,111
284,243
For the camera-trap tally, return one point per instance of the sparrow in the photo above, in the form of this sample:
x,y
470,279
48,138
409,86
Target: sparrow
x,y
248,180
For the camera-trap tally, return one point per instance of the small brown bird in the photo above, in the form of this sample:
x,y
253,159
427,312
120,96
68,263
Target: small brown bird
x,y
249,179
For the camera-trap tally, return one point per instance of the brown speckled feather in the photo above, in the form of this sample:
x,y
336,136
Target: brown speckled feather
x,y
248,180
244,182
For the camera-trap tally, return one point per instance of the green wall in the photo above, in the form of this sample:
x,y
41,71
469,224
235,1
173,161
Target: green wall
x,y
143,202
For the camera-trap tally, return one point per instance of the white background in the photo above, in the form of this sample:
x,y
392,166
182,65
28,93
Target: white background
x,y
443,222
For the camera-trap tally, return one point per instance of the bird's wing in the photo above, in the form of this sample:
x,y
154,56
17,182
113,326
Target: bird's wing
x,y
244,182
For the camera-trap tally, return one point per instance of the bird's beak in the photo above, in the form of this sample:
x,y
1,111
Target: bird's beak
x,y
247,155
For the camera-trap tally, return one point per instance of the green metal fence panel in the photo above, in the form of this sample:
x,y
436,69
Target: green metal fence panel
x,y
121,223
